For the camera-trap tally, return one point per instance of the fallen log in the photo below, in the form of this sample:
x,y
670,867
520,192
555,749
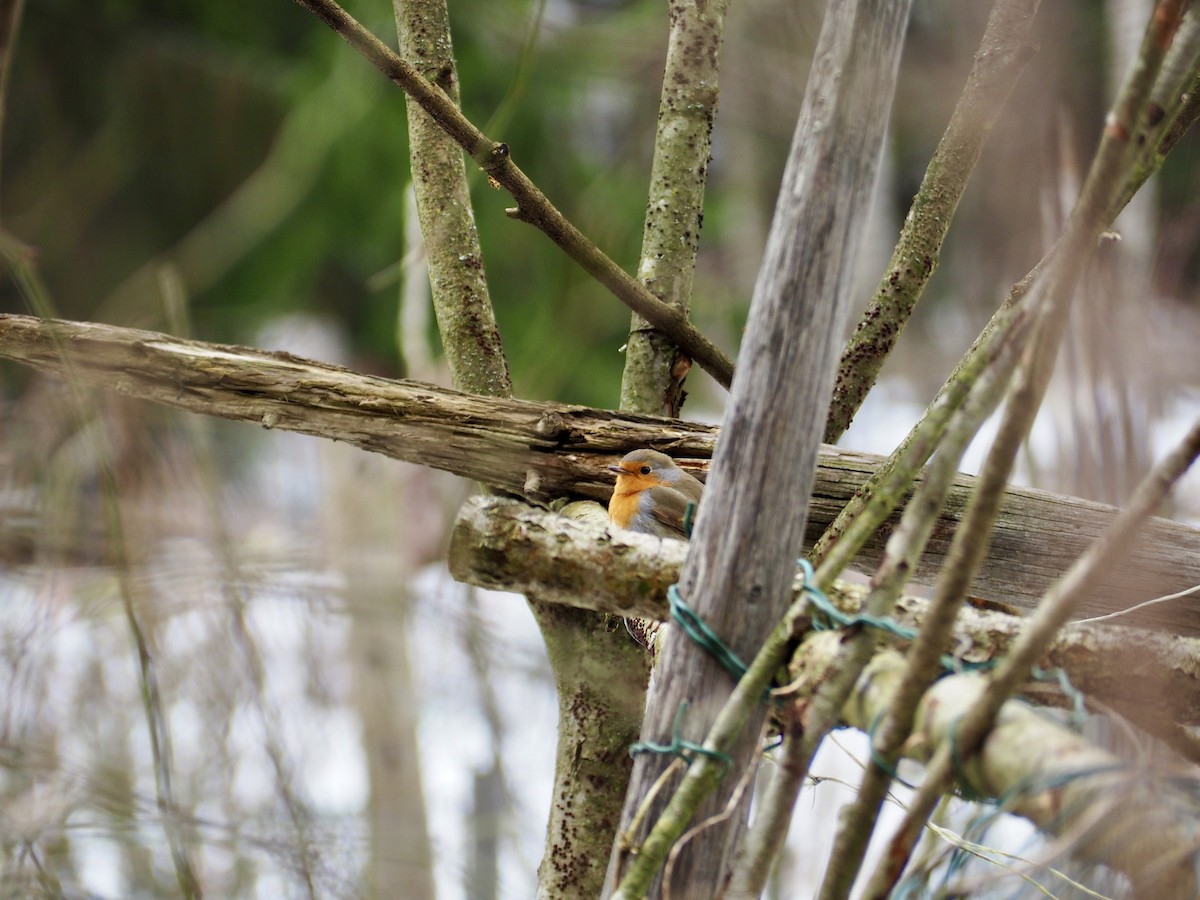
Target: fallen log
x,y
498,543
544,451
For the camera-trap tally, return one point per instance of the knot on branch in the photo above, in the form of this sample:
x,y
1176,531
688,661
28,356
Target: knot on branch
x,y
491,156
551,425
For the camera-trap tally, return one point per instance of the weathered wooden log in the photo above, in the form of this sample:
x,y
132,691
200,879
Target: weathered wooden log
x,y
548,450
503,544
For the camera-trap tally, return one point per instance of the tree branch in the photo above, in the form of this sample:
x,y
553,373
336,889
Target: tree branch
x,y
652,381
752,524
1113,814
999,62
503,544
1051,296
532,205
546,450
883,491
458,283
532,547
905,548
1176,878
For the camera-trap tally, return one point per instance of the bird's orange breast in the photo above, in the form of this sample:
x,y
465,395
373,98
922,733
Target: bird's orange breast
x,y
622,506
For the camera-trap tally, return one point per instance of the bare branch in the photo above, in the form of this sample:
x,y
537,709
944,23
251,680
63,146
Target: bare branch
x,y
1051,295
1177,877
752,524
652,381
532,205
1043,771
999,62
546,450
465,317
905,548
886,487
506,545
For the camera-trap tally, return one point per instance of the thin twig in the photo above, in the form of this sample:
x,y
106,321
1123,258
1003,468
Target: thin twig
x,y
762,845
856,821
731,805
871,505
705,772
10,24
157,725
904,549
1137,606
762,468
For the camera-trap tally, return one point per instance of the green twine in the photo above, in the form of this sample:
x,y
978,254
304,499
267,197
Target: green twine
x,y
697,629
828,617
684,749
840,619
881,761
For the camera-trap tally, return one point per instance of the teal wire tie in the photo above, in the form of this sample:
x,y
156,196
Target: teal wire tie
x,y
697,629
828,617
839,619
683,749
1078,704
881,761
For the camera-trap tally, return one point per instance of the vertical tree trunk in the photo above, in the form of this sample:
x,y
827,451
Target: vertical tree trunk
x,y
599,701
654,368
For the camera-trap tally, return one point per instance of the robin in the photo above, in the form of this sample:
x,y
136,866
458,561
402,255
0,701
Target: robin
x,y
652,494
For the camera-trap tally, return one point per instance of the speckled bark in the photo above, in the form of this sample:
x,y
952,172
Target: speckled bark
x,y
654,367
600,675
587,655
466,321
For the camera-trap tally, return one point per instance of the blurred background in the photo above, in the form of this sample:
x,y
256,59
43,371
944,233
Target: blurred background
x,y
343,718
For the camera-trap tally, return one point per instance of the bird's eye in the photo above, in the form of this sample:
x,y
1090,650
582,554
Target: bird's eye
x,y
645,470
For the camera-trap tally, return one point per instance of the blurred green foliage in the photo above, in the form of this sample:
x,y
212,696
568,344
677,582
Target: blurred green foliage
x,y
251,149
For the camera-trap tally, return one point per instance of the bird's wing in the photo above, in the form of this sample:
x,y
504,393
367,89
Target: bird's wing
x,y
690,487
667,507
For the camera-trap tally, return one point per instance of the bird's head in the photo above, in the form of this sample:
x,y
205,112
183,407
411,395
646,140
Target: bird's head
x,y
644,469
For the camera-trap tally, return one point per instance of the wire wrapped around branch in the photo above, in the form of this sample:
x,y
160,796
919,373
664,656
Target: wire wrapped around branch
x,y
1041,770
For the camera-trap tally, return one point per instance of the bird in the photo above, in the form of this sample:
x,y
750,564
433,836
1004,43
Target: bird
x,y
652,495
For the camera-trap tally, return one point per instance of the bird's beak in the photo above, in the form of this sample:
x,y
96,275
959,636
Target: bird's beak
x,y
616,470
